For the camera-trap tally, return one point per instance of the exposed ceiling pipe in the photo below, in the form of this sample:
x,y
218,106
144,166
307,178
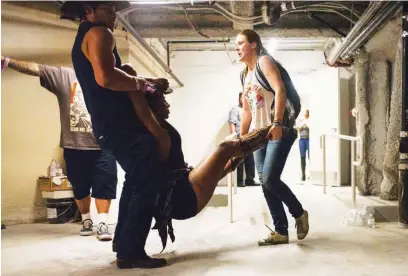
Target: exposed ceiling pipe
x,y
373,26
291,5
365,18
315,17
171,2
146,46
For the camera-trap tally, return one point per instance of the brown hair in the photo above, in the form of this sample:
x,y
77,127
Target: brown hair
x,y
253,37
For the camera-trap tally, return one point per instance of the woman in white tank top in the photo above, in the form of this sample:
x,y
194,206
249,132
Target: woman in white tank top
x,y
271,158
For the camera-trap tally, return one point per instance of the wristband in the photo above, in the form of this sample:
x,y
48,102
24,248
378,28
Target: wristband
x,y
4,63
138,83
277,123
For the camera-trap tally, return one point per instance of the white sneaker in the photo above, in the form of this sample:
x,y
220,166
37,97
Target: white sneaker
x,y
86,229
103,233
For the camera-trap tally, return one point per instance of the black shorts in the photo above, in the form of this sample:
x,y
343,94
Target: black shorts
x,y
184,200
91,170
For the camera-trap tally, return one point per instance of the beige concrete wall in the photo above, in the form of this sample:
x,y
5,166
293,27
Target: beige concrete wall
x,y
200,109
30,115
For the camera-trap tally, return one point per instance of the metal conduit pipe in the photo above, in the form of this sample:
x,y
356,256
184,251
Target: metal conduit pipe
x,y
365,18
403,148
175,2
374,25
292,5
146,46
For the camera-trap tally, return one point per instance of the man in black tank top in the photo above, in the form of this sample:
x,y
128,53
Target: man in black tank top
x,y
128,130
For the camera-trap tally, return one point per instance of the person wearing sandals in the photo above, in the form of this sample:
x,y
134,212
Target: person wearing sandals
x,y
270,98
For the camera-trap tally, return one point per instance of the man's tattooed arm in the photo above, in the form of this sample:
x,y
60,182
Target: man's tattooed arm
x,y
25,67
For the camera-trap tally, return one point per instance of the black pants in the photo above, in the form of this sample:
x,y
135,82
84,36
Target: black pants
x,y
138,156
91,171
249,171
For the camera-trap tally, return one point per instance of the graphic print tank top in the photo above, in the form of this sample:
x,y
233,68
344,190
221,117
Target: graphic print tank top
x,y
260,101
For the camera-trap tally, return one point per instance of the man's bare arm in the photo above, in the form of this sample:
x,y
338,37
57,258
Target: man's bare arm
x,y
25,67
232,128
98,48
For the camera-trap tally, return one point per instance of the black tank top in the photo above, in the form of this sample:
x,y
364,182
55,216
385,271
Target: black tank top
x,y
176,157
111,111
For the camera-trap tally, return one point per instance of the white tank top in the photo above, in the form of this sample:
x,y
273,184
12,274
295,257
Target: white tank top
x,y
260,101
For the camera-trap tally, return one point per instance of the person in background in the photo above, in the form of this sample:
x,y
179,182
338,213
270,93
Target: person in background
x,y
91,171
235,126
303,128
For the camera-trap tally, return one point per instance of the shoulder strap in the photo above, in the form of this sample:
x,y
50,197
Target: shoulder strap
x,y
291,92
242,77
261,77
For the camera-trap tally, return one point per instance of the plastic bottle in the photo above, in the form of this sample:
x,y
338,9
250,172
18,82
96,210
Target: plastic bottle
x,y
371,221
52,171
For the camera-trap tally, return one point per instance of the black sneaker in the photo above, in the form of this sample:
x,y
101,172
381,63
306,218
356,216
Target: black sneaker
x,y
252,183
143,262
86,229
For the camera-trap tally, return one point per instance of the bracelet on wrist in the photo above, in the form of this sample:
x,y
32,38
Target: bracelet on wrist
x,y
277,123
139,83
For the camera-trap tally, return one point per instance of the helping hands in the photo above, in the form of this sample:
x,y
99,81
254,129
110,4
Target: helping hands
x,y
275,133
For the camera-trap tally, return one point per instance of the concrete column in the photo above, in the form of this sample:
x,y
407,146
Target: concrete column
x,y
378,104
389,185
362,116
242,8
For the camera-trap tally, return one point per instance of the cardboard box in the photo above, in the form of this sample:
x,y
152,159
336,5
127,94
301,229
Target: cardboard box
x,y
51,184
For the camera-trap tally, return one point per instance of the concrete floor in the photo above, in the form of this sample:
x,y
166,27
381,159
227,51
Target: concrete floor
x,y
210,245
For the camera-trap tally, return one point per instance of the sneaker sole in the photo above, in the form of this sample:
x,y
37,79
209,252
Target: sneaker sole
x,y
143,266
274,243
104,238
85,234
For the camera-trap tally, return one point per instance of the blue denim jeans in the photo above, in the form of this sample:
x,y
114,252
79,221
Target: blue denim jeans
x,y
270,161
304,147
138,156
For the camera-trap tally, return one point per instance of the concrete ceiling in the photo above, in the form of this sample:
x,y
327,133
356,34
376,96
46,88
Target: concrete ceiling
x,y
215,19
295,28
